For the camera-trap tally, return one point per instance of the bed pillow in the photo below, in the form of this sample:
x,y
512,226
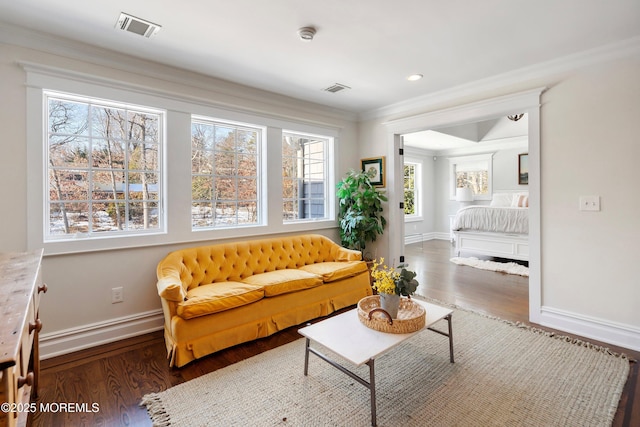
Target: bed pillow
x,y
520,200
501,200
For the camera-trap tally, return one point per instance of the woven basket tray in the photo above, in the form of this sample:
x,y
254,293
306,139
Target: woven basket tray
x,y
411,316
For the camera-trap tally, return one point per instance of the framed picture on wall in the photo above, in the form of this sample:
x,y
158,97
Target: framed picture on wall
x,y
523,169
374,167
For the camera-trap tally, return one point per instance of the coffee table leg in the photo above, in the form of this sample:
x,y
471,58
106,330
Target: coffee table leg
x,y
306,357
450,338
372,388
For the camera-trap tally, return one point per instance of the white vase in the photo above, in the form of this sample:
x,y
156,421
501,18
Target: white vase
x,y
390,303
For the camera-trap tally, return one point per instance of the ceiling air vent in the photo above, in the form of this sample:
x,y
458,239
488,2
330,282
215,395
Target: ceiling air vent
x,y
337,87
138,26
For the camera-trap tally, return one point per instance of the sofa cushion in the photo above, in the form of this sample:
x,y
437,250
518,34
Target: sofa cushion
x,y
279,282
207,299
332,271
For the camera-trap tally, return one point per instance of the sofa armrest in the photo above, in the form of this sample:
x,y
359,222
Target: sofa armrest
x,y
170,287
344,254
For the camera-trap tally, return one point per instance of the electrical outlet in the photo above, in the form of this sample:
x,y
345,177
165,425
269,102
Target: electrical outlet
x,y
589,203
117,295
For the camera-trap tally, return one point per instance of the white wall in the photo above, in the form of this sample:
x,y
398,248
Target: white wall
x,y
77,309
505,169
589,146
373,143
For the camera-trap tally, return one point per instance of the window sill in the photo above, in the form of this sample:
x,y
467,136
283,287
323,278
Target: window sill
x,y
84,245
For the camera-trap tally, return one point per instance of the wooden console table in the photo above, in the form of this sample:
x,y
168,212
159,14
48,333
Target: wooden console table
x,y
20,288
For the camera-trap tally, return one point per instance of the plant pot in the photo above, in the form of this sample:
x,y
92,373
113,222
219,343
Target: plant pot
x,y
390,303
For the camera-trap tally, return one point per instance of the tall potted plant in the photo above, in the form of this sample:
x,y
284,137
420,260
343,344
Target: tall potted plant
x,y
360,210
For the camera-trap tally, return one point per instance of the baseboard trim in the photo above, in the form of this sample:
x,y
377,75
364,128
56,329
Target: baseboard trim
x,y
441,236
618,334
74,339
413,238
423,237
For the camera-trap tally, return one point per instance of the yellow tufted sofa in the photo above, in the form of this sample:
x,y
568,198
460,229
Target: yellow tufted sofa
x,y
217,296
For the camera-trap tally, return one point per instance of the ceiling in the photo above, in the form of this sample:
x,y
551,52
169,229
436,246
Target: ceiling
x,y
470,136
369,45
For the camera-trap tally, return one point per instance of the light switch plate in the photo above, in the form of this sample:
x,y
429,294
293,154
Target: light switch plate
x,y
589,203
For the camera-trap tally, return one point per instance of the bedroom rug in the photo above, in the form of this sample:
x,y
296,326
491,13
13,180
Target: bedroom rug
x,y
503,375
502,267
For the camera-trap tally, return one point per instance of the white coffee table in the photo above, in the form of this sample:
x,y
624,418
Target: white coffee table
x,y
348,337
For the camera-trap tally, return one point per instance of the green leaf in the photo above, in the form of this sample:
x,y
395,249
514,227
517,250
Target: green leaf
x,y
360,208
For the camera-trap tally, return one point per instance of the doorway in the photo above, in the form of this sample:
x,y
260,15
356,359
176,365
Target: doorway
x,y
485,156
526,102
482,156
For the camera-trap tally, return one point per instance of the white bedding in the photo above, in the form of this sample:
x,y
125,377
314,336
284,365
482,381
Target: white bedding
x,y
493,219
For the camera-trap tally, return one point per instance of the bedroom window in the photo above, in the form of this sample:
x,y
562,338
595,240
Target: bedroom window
x,y
474,172
305,176
411,190
103,168
225,174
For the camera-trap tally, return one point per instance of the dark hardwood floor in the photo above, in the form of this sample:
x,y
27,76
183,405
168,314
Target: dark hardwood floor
x,y
115,376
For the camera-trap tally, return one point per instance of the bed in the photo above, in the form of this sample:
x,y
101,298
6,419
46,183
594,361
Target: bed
x,y
498,230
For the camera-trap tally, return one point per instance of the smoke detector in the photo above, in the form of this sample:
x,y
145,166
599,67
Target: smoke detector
x,y
138,26
306,33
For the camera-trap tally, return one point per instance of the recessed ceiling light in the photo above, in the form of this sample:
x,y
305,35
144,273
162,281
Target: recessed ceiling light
x,y
414,77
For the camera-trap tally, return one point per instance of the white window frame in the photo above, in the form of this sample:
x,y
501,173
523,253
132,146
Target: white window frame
x,y
328,181
455,161
90,170
417,190
261,131
176,161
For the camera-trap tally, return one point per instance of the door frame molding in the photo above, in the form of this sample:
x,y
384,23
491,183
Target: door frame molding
x,y
521,102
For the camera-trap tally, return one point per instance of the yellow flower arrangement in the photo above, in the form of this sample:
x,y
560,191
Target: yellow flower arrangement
x,y
388,280
384,277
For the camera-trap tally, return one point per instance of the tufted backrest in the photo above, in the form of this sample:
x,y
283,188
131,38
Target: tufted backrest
x,y
235,261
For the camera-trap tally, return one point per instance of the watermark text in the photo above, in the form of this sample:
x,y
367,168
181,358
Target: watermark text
x,y
54,407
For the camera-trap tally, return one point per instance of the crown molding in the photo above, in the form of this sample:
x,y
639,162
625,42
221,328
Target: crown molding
x,y
19,36
544,70
241,95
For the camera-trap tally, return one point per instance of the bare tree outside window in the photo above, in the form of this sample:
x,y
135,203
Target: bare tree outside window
x,y
478,181
103,167
224,174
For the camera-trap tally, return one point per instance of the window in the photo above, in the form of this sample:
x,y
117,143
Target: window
x,y
474,172
411,190
475,177
109,167
304,177
103,168
225,171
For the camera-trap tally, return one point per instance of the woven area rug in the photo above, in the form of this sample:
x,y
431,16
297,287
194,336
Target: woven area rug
x,y
502,267
503,375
